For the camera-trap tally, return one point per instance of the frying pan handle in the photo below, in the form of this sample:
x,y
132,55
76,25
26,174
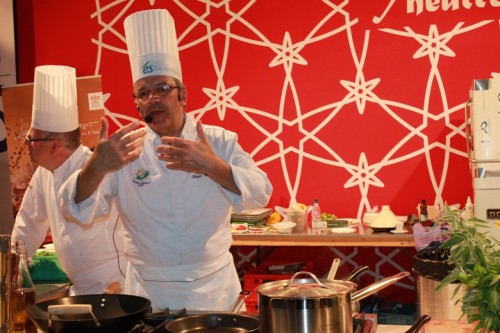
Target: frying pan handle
x,y
239,302
419,323
71,309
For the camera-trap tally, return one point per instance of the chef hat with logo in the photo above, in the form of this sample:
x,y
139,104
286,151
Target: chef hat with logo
x,y
152,44
55,106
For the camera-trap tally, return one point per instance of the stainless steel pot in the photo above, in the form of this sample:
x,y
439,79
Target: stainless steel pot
x,y
312,305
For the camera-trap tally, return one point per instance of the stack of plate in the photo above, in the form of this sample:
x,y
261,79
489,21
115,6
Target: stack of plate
x,y
252,216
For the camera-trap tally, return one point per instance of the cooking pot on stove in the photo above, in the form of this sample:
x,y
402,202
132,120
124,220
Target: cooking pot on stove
x,y
312,305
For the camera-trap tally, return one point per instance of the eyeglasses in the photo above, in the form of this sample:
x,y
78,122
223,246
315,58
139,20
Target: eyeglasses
x,y
29,140
160,91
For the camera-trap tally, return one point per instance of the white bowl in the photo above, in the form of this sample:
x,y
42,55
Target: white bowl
x,y
284,227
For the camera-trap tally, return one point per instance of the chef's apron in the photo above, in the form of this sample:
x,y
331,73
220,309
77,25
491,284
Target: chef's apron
x,y
211,286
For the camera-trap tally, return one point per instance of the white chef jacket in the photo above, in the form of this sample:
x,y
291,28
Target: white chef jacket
x,y
90,254
179,222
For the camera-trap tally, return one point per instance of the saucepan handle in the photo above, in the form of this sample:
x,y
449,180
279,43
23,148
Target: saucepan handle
x,y
379,285
239,302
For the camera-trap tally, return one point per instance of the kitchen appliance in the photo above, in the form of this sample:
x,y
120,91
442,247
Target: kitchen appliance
x,y
482,114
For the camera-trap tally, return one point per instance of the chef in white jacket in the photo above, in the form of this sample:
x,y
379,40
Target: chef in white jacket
x,y
175,181
92,255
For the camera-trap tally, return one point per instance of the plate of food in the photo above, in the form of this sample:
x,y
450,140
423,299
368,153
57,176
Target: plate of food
x,y
382,229
258,229
404,231
343,230
239,228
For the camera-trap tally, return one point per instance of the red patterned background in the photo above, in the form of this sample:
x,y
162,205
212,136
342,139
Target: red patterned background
x,y
358,103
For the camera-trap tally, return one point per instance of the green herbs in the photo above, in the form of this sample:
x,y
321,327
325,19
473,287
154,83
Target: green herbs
x,y
476,257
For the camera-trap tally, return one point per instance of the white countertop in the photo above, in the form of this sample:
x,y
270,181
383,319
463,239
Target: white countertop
x,y
434,326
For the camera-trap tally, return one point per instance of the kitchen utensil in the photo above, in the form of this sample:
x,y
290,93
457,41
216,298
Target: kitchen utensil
x,y
216,322
113,313
355,272
311,305
333,269
417,325
350,277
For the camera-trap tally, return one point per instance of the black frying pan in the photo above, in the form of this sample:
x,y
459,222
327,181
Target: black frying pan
x,y
110,313
217,322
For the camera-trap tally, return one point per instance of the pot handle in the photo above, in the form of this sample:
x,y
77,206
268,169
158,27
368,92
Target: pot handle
x,y
306,273
373,288
239,302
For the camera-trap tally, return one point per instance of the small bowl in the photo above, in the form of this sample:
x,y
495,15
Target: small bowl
x,y
284,227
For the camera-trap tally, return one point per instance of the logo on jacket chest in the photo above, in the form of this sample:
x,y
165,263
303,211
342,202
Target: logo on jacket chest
x,y
142,177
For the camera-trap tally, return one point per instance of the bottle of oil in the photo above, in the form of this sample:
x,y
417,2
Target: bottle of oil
x,y
22,292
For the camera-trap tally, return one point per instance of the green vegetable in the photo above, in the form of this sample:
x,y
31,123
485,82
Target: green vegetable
x,y
328,216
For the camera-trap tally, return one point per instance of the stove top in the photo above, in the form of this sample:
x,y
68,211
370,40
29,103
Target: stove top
x,y
155,322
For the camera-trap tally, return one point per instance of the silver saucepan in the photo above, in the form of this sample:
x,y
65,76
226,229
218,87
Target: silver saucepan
x,y
312,305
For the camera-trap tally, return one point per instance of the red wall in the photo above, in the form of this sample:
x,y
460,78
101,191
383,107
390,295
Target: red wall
x,y
317,134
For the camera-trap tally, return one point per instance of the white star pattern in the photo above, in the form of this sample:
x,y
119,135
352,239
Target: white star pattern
x,y
298,135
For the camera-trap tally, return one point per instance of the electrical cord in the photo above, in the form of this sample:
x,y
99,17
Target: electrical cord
x,y
116,247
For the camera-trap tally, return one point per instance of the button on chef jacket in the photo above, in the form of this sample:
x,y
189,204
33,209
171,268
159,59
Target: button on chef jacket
x,y
89,254
178,222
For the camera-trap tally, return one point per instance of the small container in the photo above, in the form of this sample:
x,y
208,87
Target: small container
x,y
424,214
284,227
469,209
317,222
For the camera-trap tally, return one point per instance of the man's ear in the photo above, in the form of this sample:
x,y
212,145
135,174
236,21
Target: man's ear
x,y
55,145
182,97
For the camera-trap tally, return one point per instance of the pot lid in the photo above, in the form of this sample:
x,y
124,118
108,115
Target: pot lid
x,y
305,288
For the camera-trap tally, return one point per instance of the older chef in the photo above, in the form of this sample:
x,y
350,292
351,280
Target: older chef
x,y
176,182
90,254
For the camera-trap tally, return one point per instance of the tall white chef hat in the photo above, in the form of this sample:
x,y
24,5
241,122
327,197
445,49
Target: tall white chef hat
x,y
55,106
152,44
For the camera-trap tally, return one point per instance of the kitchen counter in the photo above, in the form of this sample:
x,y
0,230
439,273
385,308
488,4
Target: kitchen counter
x,y
364,236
